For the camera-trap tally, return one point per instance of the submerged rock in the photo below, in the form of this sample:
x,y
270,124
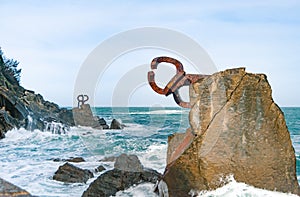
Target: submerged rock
x,y
71,159
75,159
69,173
121,177
8,189
100,168
236,129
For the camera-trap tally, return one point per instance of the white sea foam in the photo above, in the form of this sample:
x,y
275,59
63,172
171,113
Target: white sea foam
x,y
155,157
238,189
168,111
27,161
140,130
232,189
141,190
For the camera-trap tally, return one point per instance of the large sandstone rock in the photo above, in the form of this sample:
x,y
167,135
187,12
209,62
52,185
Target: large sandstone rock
x,y
128,171
83,116
236,129
7,189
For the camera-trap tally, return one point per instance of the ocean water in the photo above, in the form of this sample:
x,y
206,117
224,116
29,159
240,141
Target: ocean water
x,y
27,156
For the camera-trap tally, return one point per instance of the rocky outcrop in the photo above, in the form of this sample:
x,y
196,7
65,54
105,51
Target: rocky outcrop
x,y
7,189
83,116
116,124
41,112
102,122
23,108
69,173
236,129
128,171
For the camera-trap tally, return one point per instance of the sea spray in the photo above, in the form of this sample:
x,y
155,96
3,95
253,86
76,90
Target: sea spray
x,y
233,188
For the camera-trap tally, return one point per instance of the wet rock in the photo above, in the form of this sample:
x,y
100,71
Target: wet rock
x,y
128,163
67,116
9,102
56,160
116,124
236,129
2,135
100,168
41,112
69,173
102,122
112,181
7,189
71,159
75,159
5,124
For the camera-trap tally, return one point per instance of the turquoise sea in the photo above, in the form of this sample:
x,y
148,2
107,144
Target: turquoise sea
x,y
27,156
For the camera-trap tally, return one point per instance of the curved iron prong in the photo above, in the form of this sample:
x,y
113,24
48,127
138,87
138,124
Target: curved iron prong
x,y
180,79
179,101
170,86
154,86
175,62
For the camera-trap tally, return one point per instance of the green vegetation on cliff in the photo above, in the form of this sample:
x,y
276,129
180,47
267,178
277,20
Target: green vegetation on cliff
x,y
9,70
23,108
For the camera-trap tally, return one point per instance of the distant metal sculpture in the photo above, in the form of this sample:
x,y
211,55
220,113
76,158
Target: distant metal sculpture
x,y
179,80
82,99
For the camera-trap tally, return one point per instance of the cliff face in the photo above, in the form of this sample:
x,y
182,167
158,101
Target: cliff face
x,y
236,129
23,108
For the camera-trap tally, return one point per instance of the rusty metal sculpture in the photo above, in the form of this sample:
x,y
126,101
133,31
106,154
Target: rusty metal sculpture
x,y
179,80
82,99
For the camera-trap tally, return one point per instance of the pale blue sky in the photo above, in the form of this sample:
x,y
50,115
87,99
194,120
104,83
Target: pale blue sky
x,y
51,39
